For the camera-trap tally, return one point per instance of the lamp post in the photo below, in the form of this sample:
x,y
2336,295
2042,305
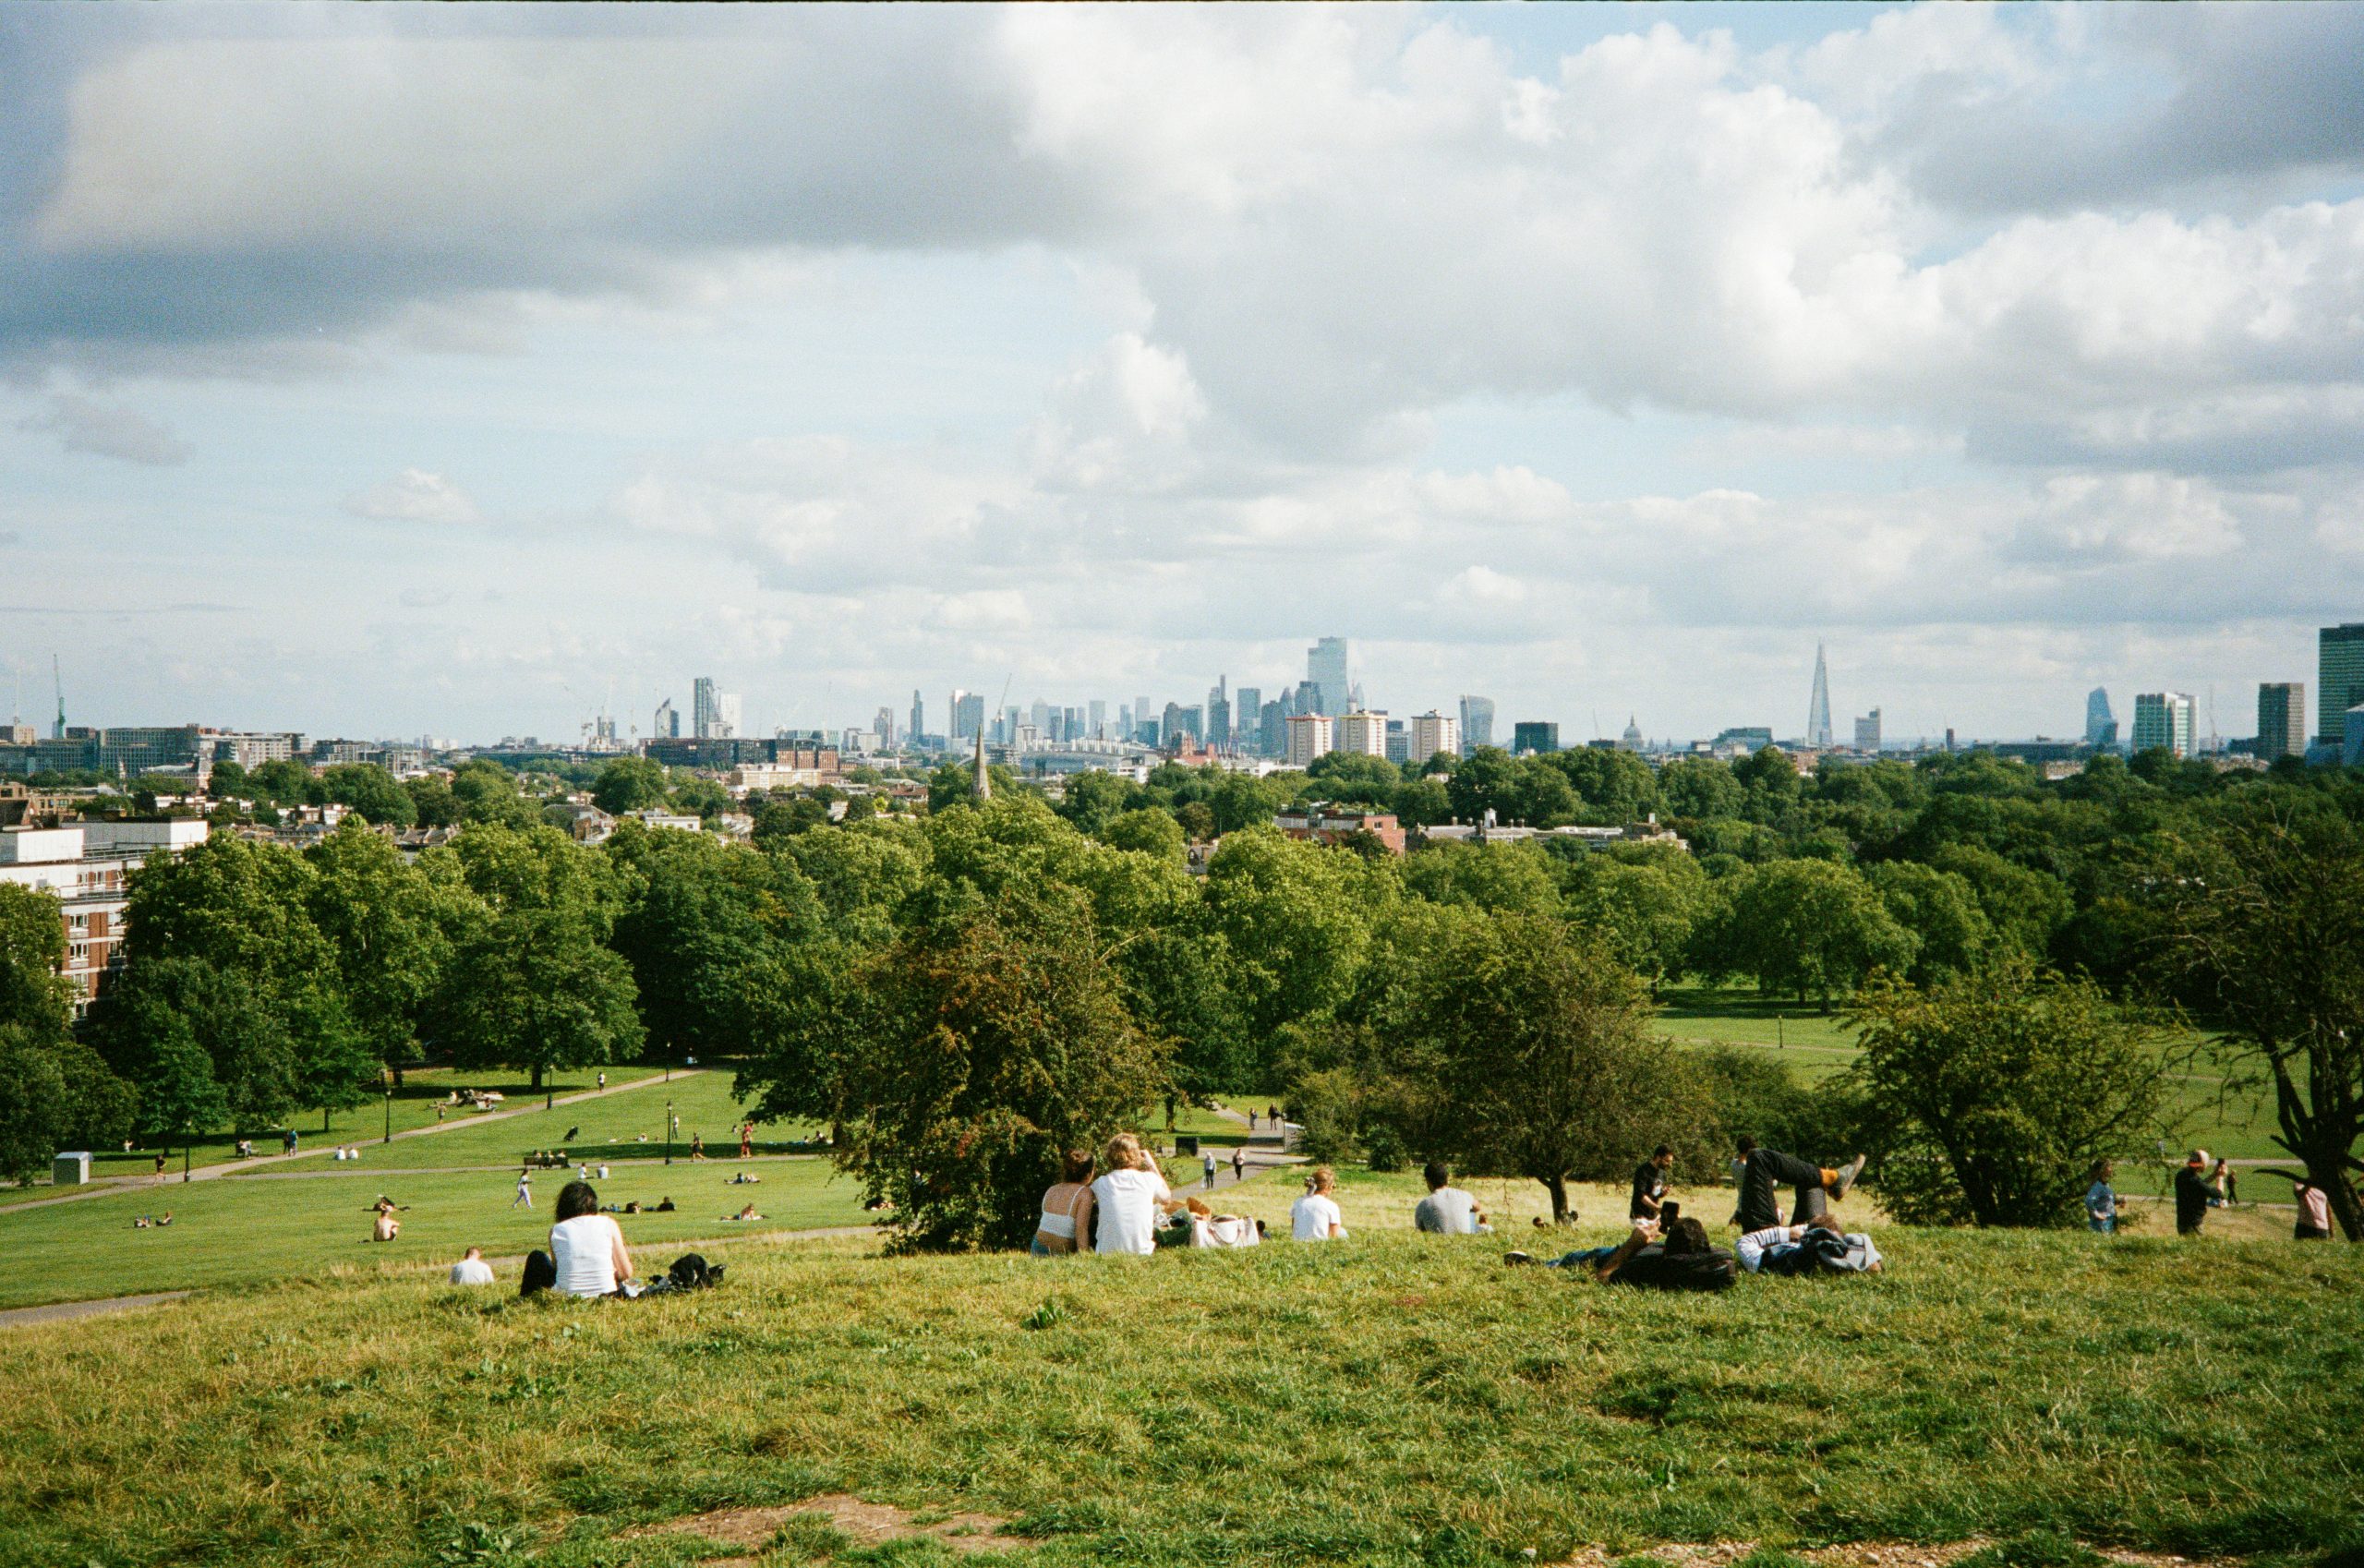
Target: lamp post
x,y
389,1087
670,1125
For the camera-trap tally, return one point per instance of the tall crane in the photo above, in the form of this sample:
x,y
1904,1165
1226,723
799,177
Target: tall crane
x,y
57,732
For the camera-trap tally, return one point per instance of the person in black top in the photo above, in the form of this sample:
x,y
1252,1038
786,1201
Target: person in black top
x,y
1682,1260
2192,1193
1762,1171
1649,1183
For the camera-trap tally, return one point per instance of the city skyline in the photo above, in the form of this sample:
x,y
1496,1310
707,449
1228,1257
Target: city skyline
x,y
1098,393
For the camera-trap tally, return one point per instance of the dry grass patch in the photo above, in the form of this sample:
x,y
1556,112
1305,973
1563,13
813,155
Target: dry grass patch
x,y
861,1524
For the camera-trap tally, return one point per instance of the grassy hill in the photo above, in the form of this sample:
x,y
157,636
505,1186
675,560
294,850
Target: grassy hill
x,y
1394,1400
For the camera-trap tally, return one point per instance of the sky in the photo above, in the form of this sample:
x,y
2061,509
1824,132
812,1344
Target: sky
x,y
394,370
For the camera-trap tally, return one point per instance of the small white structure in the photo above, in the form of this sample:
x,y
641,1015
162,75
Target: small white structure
x,y
70,1169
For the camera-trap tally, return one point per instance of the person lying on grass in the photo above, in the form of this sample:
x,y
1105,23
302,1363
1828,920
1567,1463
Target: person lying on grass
x,y
1818,1248
746,1213
1760,1171
1682,1260
587,1257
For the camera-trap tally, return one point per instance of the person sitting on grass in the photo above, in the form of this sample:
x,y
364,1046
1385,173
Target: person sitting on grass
x,y
587,1257
1316,1216
1815,1247
1761,1170
1447,1209
1649,1184
1683,1259
2314,1211
1127,1198
1064,1223
746,1213
2192,1194
743,1180
385,1227
472,1269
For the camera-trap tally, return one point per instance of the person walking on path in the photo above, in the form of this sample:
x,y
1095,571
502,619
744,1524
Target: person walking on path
x,y
525,1187
1240,1165
2314,1211
2101,1199
2192,1194
746,1141
603,1078
2226,1183
697,1148
1207,1164
1251,1118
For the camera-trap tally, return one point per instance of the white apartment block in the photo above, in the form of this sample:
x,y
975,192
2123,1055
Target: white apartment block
x,y
1433,733
1363,734
1309,738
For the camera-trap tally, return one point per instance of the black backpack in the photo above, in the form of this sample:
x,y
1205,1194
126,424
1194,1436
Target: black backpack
x,y
691,1271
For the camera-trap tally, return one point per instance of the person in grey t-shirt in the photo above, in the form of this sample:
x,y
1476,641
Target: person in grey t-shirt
x,y
1448,1210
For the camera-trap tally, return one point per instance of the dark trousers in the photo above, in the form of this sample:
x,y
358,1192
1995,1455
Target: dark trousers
x,y
1765,1170
1583,1258
541,1273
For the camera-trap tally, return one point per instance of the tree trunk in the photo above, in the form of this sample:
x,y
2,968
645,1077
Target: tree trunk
x,y
538,1074
1557,1186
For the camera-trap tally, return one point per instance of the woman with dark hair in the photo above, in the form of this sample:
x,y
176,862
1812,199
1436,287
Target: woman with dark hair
x,y
1066,1222
587,1256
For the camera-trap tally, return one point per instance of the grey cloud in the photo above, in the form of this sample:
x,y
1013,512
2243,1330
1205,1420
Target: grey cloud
x,y
105,430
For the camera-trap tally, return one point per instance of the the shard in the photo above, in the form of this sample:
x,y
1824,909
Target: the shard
x,y
1818,715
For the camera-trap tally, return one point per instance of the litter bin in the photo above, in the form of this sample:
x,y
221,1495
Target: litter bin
x,y
1186,1144
70,1170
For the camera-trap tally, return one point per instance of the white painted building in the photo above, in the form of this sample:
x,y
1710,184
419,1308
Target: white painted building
x,y
1310,737
1433,733
1361,734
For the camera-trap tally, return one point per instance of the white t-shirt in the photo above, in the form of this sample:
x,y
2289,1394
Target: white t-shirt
x,y
1311,1216
584,1250
1128,1210
472,1270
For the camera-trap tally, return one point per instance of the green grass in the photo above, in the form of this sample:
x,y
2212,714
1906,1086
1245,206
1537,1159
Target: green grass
x,y
256,1230
1393,1400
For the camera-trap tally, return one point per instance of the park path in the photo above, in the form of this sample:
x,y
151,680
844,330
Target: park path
x,y
106,1305
1258,1160
264,1162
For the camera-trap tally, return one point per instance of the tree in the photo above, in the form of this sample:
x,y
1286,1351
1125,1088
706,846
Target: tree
x,y
629,784
531,983
370,790
285,782
986,1046
53,1091
1485,781
1149,830
32,949
1541,1043
1093,799
700,923
1803,927
2262,918
1196,821
1700,789
488,793
1491,876
1997,1090
1645,910
432,802
1423,802
1614,786
1296,917
387,924
1940,910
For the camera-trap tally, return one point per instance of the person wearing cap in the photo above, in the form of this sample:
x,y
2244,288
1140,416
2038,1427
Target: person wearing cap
x,y
2192,1193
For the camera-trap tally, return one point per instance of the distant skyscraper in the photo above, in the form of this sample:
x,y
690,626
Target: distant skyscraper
x,y
729,714
2339,679
919,718
1325,666
705,716
1248,718
1534,735
1819,709
1476,723
967,714
1867,733
1219,712
1433,733
2100,725
2163,719
884,725
666,725
1098,719
2281,720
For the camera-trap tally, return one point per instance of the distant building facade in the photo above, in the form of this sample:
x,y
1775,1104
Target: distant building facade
x,y
2100,725
1534,737
2339,678
1430,733
1329,825
1363,734
1309,737
85,867
1867,733
2164,719
1476,723
2281,720
1325,666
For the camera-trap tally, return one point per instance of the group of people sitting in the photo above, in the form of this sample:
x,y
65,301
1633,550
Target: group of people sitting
x,y
1127,1206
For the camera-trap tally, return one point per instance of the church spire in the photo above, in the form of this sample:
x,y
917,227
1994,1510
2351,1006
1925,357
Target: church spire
x,y
980,784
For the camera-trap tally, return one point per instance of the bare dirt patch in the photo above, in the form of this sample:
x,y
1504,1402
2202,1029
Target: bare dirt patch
x,y
868,1523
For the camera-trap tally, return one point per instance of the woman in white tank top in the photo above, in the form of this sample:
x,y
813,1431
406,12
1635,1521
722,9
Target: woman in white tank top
x,y
587,1246
1065,1221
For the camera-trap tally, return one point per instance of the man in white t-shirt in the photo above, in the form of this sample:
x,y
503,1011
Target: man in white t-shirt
x,y
1315,1216
1126,1199
472,1269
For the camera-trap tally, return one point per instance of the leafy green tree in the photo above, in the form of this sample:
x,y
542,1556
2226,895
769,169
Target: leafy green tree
x,y
32,949
1488,876
1485,781
1803,927
2261,920
1768,781
700,923
1423,802
1353,778
54,1093
531,982
1149,830
1541,1043
1940,910
628,784
1197,820
1997,1090
388,925
1645,911
370,790
2023,907
982,1047
285,782
1093,799
226,779
701,797
1298,919
1239,801
432,802
776,818
1700,789
1613,787
488,793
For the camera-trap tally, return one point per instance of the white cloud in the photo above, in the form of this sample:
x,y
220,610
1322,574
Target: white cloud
x,y
415,496
104,430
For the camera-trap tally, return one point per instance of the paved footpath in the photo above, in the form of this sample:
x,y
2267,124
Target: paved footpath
x,y
265,1161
